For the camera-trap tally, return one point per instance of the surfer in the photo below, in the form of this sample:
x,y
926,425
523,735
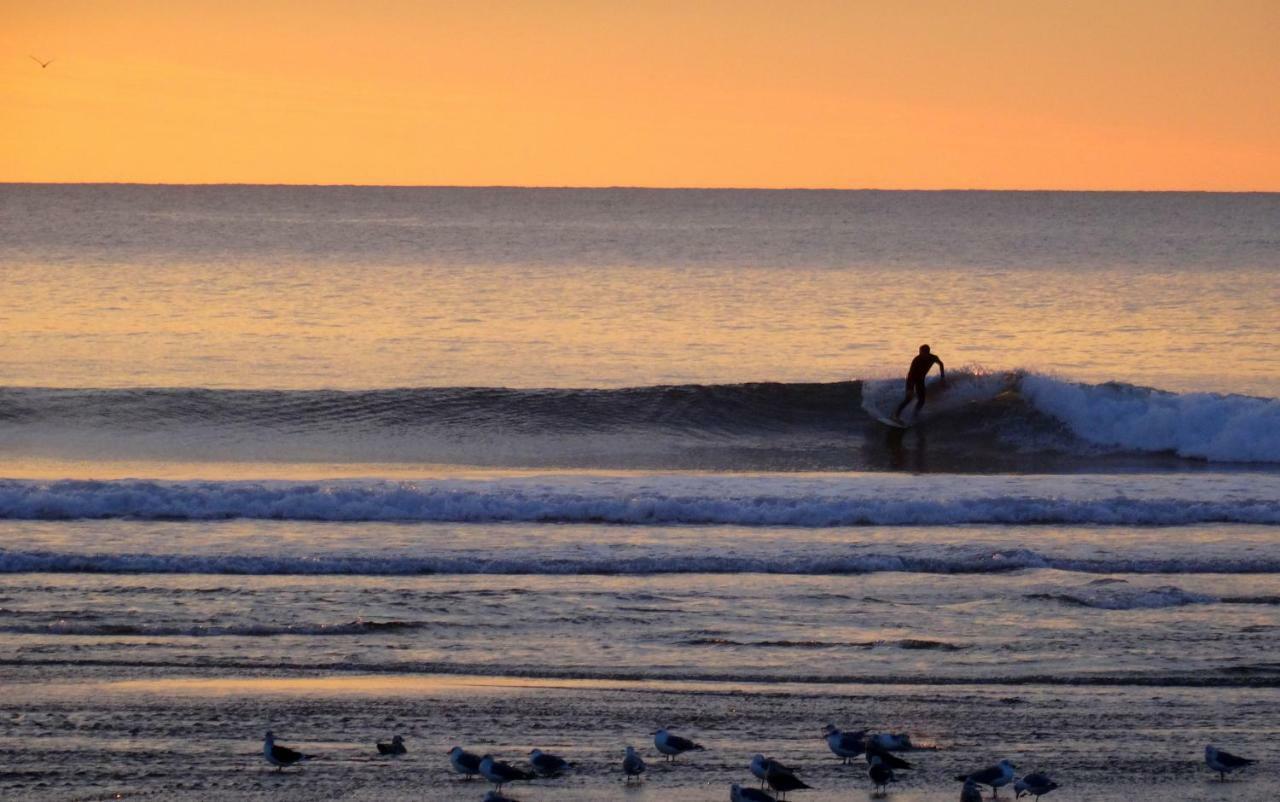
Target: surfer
x,y
915,380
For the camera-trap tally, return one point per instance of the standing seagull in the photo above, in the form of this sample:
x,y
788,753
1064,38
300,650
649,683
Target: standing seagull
x,y
844,744
43,64
760,766
880,774
396,747
783,780
547,764
970,792
499,773
464,762
739,794
1036,784
997,776
889,759
632,765
281,756
672,745
1220,761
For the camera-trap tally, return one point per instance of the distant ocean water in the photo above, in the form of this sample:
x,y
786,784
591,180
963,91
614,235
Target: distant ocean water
x,y
313,429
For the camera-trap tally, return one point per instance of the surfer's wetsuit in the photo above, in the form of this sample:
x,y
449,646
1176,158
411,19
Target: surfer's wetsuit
x,y
920,367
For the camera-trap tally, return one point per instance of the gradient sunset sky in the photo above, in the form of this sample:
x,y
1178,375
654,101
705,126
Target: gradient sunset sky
x,y
1068,94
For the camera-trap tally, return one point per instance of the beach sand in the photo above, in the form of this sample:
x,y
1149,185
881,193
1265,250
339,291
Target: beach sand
x,y
105,734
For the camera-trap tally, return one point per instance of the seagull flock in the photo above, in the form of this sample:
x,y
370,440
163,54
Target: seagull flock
x,y
877,749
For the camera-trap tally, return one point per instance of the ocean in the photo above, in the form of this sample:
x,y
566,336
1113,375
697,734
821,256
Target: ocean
x,y
510,468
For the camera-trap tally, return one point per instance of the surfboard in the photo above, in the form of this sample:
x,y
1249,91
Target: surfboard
x,y
890,422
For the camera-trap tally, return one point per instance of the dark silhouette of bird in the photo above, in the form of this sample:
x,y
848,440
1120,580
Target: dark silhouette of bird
x,y
396,747
671,745
1036,784
889,759
1223,762
783,780
43,64
547,764
881,775
844,744
281,756
632,765
465,763
499,773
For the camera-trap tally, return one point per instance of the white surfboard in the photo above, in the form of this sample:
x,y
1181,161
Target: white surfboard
x,y
890,422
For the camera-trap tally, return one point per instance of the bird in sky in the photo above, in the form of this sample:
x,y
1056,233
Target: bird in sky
x,y
43,64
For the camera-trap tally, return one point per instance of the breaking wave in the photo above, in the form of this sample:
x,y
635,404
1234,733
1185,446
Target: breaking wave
x,y
979,422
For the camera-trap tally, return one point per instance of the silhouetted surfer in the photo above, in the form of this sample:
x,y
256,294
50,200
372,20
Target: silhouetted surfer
x,y
915,380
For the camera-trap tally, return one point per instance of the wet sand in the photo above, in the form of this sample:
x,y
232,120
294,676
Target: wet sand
x,y
87,734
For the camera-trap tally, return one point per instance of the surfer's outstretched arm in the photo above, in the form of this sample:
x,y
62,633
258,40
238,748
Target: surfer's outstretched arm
x,y
942,370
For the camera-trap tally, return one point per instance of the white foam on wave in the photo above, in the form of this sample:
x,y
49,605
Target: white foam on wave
x,y
1221,428
811,501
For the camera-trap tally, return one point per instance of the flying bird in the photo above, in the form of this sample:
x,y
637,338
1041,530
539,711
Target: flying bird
x,y
1223,762
1036,784
464,762
997,776
844,745
632,765
43,64
547,764
281,756
672,745
396,747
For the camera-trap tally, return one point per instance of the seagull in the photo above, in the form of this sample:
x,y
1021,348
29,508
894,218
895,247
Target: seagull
x,y
281,756
880,774
494,796
739,794
887,758
760,766
672,745
1220,761
970,792
1037,784
43,64
546,764
499,773
632,765
396,747
997,776
783,780
464,762
845,744
900,742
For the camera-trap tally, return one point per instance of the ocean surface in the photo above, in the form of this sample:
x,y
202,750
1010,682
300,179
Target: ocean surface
x,y
560,467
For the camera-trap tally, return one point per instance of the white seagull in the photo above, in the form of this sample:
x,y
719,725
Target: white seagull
x,y
1223,762
464,762
281,756
632,765
761,766
671,744
997,776
844,744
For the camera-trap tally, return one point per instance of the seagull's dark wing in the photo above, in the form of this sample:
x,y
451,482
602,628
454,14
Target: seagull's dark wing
x,y
284,754
888,758
469,762
985,776
682,744
1234,761
853,741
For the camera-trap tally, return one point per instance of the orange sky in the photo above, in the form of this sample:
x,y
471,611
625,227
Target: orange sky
x,y
1088,94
